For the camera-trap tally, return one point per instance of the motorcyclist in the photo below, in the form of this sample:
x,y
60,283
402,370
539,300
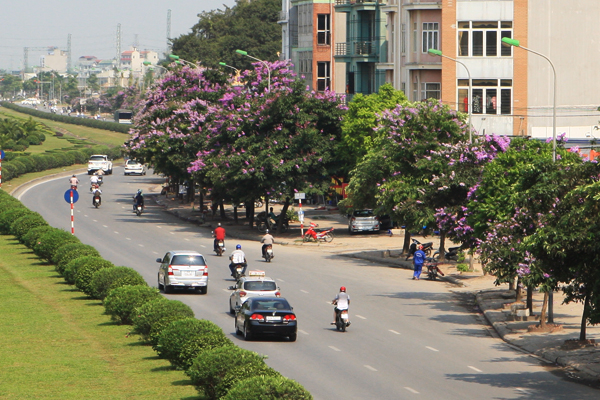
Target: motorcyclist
x,y
99,174
94,181
342,302
219,234
238,257
266,240
96,192
74,181
138,200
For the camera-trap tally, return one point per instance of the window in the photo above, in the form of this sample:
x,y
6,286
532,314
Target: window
x,y
431,91
414,38
403,39
430,36
323,75
323,29
483,38
485,96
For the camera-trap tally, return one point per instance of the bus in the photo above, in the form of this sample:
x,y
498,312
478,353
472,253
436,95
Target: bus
x,y
123,116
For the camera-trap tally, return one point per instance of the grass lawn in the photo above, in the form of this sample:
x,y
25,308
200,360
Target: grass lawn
x,y
95,136
57,344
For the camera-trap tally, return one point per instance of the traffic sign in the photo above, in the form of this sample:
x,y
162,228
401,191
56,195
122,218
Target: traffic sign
x,y
299,196
68,196
1,155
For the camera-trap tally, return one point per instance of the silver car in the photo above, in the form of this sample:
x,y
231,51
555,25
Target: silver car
x,y
255,284
362,221
184,269
134,167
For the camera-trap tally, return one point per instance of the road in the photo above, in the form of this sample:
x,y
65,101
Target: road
x,y
408,339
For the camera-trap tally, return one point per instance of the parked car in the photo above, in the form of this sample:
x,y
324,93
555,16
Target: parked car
x,y
266,316
255,284
362,221
133,167
184,269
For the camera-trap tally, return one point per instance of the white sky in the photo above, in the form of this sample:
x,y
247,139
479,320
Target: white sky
x,y
92,25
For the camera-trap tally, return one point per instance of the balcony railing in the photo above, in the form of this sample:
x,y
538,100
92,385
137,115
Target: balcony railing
x,y
342,2
356,48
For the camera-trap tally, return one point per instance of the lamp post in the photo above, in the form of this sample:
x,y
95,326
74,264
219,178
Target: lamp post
x,y
245,53
516,43
181,60
236,81
470,102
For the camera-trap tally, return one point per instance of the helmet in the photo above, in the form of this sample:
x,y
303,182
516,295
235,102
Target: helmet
x,y
420,247
219,224
343,289
74,176
139,191
267,231
238,246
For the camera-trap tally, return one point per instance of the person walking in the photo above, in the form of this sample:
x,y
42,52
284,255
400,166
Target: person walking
x,y
418,261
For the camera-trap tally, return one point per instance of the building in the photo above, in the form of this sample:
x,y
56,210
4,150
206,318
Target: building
x,y
512,89
55,60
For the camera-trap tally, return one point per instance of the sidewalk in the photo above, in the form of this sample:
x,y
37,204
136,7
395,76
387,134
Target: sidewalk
x,y
560,347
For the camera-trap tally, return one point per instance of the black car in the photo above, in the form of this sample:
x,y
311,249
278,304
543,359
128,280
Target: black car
x,y
266,316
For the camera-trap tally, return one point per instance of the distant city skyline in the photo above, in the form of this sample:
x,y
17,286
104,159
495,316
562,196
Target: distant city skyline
x,y
39,24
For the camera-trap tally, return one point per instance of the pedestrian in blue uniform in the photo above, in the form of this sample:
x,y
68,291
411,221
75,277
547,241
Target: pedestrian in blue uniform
x,y
418,261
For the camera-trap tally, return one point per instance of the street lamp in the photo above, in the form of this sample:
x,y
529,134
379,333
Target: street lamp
x,y
245,53
516,43
470,102
180,60
237,80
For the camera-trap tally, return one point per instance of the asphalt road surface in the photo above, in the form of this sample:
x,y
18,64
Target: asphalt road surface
x,y
408,339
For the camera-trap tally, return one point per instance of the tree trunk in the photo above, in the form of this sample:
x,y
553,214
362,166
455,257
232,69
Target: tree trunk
x,y
543,313
268,220
518,289
511,284
235,215
586,311
283,214
222,209
442,248
201,200
406,246
248,209
190,193
250,213
530,299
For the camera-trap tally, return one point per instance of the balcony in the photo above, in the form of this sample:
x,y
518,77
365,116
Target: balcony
x,y
366,50
359,5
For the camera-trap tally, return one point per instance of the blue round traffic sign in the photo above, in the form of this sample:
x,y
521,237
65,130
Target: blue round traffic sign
x,y
68,196
1,155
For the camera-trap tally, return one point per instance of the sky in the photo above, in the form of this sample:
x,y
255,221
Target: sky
x,y
93,26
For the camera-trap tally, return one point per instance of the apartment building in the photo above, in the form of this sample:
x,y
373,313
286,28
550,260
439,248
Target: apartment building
x,y
512,89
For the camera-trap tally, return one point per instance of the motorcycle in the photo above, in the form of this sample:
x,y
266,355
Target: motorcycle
x,y
238,271
342,320
268,256
97,200
99,180
427,248
262,224
311,235
220,248
451,254
432,269
93,187
138,210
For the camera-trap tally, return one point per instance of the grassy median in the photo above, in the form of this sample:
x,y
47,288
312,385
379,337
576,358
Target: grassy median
x,y
55,343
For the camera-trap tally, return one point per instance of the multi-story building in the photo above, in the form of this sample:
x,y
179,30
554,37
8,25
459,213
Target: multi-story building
x,y
55,60
512,89
308,29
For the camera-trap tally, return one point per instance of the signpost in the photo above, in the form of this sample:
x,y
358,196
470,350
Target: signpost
x,y
71,196
1,158
299,197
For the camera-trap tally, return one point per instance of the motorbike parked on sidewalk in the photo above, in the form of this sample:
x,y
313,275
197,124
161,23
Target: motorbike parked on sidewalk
x,y
268,255
432,269
427,248
451,254
263,223
311,235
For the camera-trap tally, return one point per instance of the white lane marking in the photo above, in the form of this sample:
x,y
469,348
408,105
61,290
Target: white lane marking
x,y
159,227
280,280
172,233
94,220
202,246
393,331
431,348
85,215
106,226
128,238
328,302
154,252
187,240
360,316
226,290
411,390
141,245
522,390
369,367
303,291
475,369
302,332
116,232
334,348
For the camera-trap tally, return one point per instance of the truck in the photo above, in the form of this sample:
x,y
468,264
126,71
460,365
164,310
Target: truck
x,y
99,161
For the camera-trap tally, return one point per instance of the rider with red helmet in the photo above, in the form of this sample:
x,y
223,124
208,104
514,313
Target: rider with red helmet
x,y
341,301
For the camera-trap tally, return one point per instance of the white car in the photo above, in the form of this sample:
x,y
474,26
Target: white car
x,y
255,284
184,269
133,167
99,161
362,221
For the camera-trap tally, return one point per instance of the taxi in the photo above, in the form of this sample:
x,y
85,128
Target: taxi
x,y
255,283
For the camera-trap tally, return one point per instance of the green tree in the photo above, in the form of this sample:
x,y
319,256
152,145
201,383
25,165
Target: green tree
x,y
10,85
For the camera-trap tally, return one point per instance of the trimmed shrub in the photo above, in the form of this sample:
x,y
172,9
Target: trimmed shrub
x,y
8,216
211,366
50,242
182,340
40,162
22,225
242,372
107,279
30,239
20,168
268,388
27,162
85,273
121,302
70,270
150,319
70,251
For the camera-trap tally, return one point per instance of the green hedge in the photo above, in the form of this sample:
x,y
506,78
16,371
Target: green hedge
x,y
50,242
85,274
211,366
150,319
9,215
267,388
31,238
106,279
69,252
121,302
23,225
92,123
182,340
242,372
